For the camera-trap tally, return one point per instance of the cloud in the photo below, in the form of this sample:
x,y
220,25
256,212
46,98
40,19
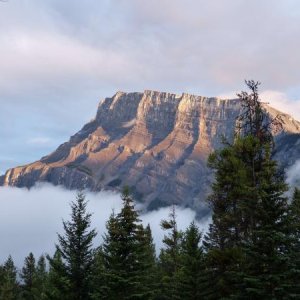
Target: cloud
x,y
293,175
39,141
282,102
30,219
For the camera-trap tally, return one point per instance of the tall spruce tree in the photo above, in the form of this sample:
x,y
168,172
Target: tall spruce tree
x,y
149,271
75,248
294,218
99,286
249,211
28,276
170,258
58,285
9,286
123,254
192,264
41,279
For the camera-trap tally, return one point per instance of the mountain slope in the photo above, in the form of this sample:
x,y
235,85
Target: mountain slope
x,y
157,143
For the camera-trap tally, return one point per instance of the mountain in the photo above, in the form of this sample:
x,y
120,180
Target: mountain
x,y
156,143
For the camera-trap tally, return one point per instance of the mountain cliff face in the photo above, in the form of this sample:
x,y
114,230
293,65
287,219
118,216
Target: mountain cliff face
x,y
156,143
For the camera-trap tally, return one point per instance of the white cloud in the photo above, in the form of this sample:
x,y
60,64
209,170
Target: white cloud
x,y
293,175
39,141
276,99
30,219
282,102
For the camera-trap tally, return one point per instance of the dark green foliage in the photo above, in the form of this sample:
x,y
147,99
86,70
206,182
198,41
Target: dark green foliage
x,y
75,248
58,285
99,284
192,264
248,243
149,270
9,287
28,277
125,262
170,258
41,279
268,248
294,233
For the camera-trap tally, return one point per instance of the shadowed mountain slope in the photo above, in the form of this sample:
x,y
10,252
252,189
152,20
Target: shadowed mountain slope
x,y
156,143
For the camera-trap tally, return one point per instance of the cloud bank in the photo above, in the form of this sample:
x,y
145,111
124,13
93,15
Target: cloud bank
x,y
31,219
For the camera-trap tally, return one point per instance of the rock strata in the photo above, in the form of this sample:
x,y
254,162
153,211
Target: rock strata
x,y
156,143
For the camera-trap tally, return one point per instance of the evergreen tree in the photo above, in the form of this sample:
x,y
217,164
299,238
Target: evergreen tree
x,y
223,240
149,271
268,249
9,287
192,264
28,277
41,279
124,262
294,234
249,229
58,286
75,248
170,258
99,286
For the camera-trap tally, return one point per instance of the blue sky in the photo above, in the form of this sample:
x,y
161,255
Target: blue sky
x,y
59,58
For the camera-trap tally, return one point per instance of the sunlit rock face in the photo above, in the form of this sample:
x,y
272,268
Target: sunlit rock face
x,y
156,143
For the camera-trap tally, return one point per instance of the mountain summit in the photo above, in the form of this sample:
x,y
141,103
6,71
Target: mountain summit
x,y
157,143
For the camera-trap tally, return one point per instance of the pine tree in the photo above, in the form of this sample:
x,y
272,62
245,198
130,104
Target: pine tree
x,y
123,257
223,240
149,271
99,286
249,212
41,279
9,287
58,285
28,277
294,252
75,248
192,264
267,251
170,258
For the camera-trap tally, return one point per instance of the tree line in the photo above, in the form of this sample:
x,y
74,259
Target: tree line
x,y
251,250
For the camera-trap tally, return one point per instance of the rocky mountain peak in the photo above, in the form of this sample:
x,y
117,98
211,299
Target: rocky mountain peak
x,y
155,142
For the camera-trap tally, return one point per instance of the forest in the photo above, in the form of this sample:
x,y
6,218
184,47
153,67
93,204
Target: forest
x,y
250,251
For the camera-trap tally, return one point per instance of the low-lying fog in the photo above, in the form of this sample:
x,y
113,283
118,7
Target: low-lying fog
x,y
31,219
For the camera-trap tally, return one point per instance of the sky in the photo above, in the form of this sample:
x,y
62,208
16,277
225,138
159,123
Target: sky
x,y
59,58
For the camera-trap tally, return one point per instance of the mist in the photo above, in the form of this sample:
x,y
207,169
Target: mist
x,y
293,175
31,219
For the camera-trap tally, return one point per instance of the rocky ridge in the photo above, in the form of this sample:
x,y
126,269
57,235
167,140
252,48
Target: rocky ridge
x,y
156,143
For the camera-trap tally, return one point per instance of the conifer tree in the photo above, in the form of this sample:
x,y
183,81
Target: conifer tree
x,y
192,264
9,287
75,248
249,211
99,286
123,257
41,279
149,271
58,285
294,219
170,258
28,277
268,249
